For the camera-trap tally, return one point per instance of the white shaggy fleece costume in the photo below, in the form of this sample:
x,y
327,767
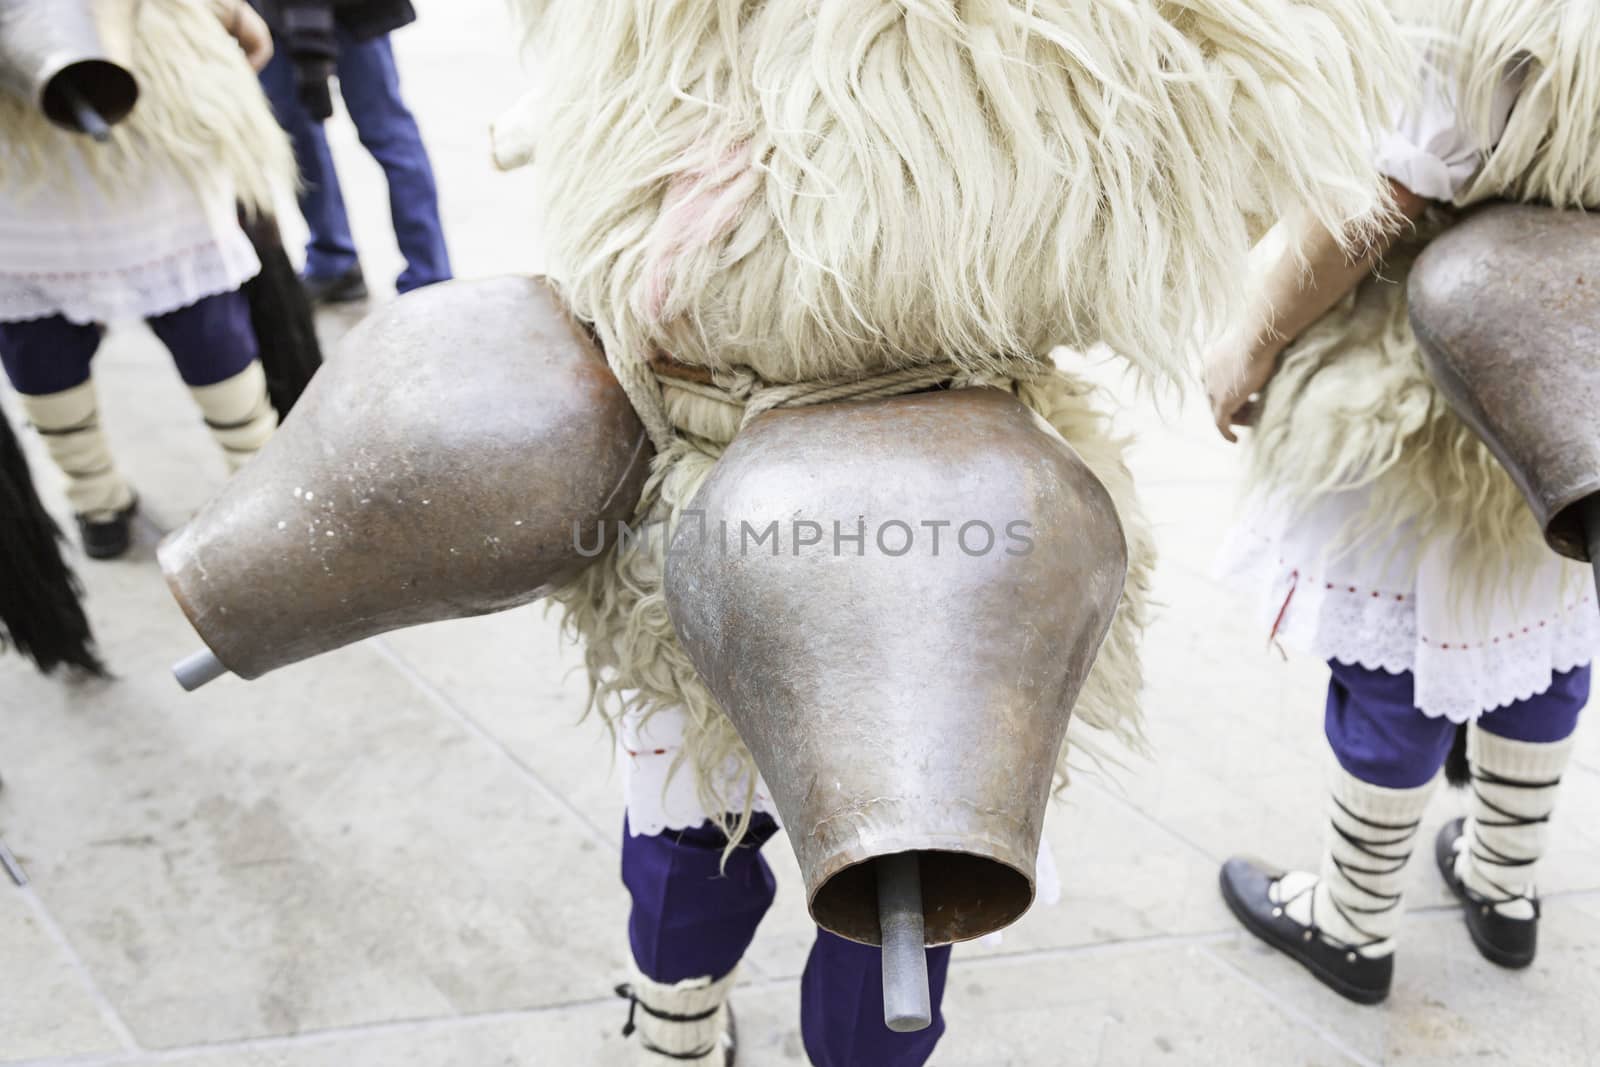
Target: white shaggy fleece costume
x,y
1382,530
148,223
833,190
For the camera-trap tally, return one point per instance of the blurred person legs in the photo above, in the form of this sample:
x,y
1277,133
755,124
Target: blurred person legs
x,y
49,362
333,271
369,82
694,915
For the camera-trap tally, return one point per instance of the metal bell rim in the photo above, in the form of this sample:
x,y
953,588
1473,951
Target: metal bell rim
x,y
844,901
1565,524
1567,531
170,573
108,88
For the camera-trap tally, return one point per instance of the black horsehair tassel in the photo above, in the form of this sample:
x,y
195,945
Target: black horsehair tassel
x,y
286,333
1457,768
41,610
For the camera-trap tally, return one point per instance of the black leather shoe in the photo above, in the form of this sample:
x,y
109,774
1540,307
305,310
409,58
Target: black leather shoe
x,y
1509,942
344,288
107,538
1246,886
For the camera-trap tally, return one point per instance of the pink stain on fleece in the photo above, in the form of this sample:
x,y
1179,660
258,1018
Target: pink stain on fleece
x,y
701,205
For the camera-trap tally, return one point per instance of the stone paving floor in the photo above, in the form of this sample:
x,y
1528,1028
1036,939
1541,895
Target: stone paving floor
x,y
406,852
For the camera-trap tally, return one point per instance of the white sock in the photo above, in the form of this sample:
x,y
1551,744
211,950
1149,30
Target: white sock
x,y
698,1034
238,413
69,425
1514,787
1356,900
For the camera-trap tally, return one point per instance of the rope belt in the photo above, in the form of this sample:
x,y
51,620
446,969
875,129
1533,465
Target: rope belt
x,y
743,389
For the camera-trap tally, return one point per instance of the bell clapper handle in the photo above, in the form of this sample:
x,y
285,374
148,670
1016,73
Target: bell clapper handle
x,y
1589,510
194,671
906,1004
89,120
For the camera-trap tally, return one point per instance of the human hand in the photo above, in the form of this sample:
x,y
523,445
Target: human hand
x,y
250,30
1236,370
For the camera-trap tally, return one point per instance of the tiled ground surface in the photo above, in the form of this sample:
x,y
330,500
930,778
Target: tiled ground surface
x,y
405,853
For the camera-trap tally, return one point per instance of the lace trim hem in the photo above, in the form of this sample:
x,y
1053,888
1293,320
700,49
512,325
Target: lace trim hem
x,y
133,292
1376,629
658,782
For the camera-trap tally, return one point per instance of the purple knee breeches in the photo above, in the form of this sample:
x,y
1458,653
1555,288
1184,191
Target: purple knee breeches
x,y
694,916
211,340
1380,737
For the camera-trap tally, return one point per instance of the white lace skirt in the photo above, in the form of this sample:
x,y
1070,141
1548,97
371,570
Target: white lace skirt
x,y
1397,606
157,245
659,784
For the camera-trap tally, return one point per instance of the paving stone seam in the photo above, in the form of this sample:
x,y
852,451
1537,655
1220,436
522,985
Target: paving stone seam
x,y
109,1015
1286,1008
1116,796
1130,946
1127,946
440,700
469,723
449,1023
313,1038
1201,943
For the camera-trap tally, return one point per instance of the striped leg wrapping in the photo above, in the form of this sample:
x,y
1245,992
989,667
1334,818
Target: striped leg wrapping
x,y
68,423
682,1023
1356,900
238,413
1514,786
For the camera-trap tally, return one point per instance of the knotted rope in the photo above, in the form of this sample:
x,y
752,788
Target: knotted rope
x,y
752,396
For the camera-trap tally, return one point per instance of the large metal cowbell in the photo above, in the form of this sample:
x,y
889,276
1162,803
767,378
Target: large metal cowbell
x,y
1506,307
452,460
901,697
68,58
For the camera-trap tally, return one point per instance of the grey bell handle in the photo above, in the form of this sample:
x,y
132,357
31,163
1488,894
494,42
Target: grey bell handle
x,y
907,1006
194,671
1589,511
89,120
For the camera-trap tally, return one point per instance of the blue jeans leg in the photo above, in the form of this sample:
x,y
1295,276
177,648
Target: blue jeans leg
x,y
369,81
331,249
